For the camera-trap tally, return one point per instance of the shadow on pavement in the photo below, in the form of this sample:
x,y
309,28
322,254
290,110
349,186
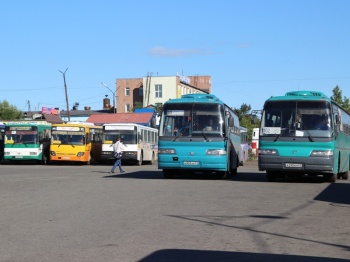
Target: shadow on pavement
x,y
184,255
335,193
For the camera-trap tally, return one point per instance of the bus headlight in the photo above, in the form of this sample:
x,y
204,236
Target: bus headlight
x,y
166,151
80,154
52,153
322,153
268,152
216,152
32,153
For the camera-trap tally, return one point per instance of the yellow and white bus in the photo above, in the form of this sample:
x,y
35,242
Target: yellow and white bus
x,y
76,141
140,142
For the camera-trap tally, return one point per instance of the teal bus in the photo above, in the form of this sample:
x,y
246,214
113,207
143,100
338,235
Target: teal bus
x,y
27,140
2,136
304,133
198,134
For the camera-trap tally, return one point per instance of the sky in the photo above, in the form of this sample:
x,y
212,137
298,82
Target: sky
x,y
252,49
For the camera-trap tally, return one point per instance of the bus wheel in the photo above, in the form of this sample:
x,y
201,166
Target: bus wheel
x,y
223,174
167,173
331,178
141,160
152,160
44,160
233,172
344,175
270,176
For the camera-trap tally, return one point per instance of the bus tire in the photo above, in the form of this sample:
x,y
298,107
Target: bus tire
x,y
331,178
152,160
141,160
167,173
344,175
44,161
222,174
270,176
234,167
233,172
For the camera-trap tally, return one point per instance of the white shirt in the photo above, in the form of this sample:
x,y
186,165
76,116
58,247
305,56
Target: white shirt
x,y
118,147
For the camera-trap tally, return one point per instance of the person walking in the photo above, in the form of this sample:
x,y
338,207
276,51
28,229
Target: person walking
x,y
118,149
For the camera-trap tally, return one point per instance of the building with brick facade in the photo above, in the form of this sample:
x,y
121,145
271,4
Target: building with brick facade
x,y
155,90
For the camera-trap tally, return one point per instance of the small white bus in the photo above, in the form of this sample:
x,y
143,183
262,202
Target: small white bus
x,y
140,142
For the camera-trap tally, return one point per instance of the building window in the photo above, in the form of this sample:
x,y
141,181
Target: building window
x,y
127,108
158,90
141,91
127,91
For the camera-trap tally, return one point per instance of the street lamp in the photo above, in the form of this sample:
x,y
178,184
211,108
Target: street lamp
x,y
114,108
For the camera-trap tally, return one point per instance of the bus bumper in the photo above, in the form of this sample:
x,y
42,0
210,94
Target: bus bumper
x,y
22,158
208,163
296,164
127,155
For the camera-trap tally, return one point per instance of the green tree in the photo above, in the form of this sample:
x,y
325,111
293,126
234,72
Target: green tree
x,y
9,112
245,118
242,111
339,99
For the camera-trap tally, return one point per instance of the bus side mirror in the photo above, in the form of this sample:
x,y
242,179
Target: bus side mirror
x,y
231,122
337,120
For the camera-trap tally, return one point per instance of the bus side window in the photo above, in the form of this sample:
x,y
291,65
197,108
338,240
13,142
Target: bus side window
x,y
139,137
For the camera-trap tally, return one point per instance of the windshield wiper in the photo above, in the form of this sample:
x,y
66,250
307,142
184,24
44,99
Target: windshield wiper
x,y
277,137
309,136
205,137
179,132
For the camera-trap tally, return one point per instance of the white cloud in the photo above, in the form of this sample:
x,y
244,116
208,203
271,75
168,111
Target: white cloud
x,y
163,51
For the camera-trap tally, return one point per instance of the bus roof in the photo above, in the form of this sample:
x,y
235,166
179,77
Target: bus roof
x,y
301,95
130,124
198,98
28,123
78,124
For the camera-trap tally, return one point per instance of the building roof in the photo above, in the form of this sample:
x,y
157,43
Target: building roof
x,y
137,118
54,119
64,113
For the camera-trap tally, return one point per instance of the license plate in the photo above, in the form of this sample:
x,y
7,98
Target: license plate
x,y
293,165
191,163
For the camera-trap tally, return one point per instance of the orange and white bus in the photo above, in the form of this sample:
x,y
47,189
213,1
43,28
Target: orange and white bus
x,y
76,141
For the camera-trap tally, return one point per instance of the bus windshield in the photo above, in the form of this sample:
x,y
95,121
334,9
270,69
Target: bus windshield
x,y
197,119
68,137
296,119
21,135
126,136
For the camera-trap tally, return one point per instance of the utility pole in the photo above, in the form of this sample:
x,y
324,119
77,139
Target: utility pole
x,y
65,88
29,110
